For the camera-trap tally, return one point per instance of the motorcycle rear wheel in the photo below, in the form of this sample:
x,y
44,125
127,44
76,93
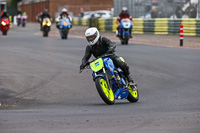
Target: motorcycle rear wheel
x,y
133,95
105,93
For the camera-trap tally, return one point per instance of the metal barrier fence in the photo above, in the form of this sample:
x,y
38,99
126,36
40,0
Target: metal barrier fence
x,y
141,26
159,8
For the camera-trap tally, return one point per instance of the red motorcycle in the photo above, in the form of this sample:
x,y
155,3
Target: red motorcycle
x,y
5,26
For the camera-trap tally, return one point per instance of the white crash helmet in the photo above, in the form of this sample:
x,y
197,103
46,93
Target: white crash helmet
x,y
64,10
92,35
124,9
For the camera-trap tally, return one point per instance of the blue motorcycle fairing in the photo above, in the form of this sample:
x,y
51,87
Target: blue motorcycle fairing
x,y
121,24
109,65
65,26
122,30
121,93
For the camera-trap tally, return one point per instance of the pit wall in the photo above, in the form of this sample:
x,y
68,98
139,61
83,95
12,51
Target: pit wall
x,y
191,27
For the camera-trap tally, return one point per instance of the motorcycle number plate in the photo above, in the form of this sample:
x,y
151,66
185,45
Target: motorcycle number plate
x,y
97,65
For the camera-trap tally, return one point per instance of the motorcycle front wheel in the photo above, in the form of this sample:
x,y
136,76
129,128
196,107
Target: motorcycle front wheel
x,y
4,33
46,31
105,93
126,38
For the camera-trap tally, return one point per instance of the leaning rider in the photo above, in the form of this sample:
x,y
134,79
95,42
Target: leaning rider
x,y
99,46
123,15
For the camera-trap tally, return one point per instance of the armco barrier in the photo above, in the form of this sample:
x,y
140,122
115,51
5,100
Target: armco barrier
x,y
189,26
138,27
142,26
161,26
148,25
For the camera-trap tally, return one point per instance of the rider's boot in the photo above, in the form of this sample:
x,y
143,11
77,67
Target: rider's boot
x,y
130,79
117,33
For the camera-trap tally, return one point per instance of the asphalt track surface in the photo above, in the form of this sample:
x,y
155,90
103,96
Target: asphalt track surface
x,y
41,90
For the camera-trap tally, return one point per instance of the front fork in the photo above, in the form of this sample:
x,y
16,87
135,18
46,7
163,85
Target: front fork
x,y
108,83
104,76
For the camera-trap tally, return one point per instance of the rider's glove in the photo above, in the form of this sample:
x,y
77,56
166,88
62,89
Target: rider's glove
x,y
82,66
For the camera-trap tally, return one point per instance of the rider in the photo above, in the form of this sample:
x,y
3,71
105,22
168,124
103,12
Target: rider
x,y
24,15
64,13
99,46
4,15
123,15
45,14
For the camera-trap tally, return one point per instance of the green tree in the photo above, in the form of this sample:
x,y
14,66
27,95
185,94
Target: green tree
x,y
12,7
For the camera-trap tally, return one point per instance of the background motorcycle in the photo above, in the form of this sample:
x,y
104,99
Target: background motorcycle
x,y
46,26
110,81
65,25
124,31
23,21
5,26
18,20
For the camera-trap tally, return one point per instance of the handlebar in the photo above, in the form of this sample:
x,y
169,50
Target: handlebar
x,y
86,67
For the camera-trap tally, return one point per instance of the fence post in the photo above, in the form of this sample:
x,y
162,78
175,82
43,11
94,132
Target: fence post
x,y
181,35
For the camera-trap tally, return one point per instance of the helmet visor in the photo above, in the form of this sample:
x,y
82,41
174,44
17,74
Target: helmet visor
x,y
92,37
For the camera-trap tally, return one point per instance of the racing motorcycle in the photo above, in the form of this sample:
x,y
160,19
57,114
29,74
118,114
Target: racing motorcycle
x,y
18,20
124,31
5,26
110,81
65,25
46,26
23,21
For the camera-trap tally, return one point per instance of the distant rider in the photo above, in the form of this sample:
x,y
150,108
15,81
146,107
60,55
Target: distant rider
x,y
45,14
4,14
24,16
99,46
123,15
63,14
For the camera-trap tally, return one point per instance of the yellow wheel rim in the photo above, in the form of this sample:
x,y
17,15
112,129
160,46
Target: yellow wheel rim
x,y
133,92
108,92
